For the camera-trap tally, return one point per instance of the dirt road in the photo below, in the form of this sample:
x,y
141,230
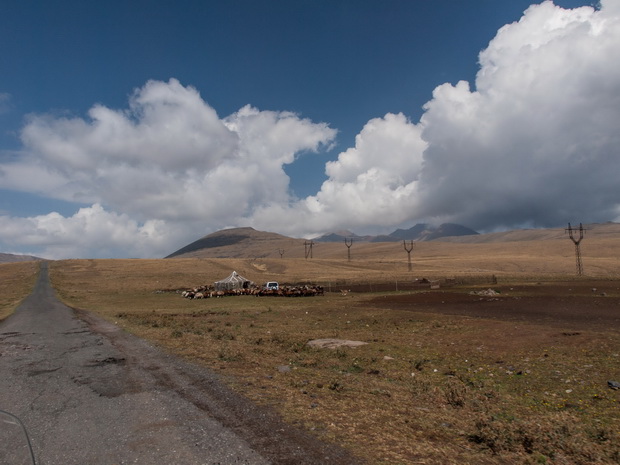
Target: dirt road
x,y
89,393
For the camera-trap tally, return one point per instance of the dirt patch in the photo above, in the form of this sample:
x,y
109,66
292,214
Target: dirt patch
x,y
584,307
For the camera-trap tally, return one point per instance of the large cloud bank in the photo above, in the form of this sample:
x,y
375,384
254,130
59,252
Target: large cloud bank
x,y
533,142
164,171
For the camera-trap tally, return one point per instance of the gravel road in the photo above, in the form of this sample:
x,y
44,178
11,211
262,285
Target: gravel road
x,y
90,393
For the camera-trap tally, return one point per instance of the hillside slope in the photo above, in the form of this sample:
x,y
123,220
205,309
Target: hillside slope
x,y
598,230
237,243
250,243
11,258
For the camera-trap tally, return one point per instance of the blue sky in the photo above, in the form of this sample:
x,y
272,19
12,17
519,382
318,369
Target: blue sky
x,y
290,109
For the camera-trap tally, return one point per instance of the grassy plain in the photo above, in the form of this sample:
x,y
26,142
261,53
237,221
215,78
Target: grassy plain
x,y
16,282
430,386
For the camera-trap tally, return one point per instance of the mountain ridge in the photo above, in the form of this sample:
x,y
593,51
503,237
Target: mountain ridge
x,y
231,237
419,232
248,243
226,238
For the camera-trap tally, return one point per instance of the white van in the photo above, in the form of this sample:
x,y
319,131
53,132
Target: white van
x,y
271,285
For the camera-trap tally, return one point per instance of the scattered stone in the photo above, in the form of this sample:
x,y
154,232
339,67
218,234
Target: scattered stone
x,y
284,369
613,384
334,343
487,292
387,357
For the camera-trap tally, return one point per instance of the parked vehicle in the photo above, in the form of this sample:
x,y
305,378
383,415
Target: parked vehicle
x,y
271,286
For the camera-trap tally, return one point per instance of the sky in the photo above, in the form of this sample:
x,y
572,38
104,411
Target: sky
x,y
130,129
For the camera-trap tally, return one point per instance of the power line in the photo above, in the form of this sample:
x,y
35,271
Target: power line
x,y
572,234
348,244
308,248
408,249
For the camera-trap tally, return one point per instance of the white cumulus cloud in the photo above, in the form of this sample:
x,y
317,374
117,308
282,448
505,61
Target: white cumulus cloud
x,y
533,142
103,234
536,142
167,159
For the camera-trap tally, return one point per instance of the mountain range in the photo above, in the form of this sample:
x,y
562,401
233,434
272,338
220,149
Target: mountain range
x,y
419,232
244,242
247,242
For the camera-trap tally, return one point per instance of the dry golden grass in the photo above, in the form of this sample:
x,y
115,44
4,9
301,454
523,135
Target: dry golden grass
x,y
428,388
525,252
521,245
16,282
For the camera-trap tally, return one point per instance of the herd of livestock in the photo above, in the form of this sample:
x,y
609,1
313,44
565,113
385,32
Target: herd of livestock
x,y
207,292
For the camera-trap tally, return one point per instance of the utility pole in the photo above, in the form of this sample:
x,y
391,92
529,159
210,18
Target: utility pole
x,y
348,244
572,234
308,248
408,249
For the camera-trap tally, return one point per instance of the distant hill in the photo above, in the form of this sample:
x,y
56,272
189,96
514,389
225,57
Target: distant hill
x,y
419,232
234,243
11,258
341,236
608,229
248,243
448,230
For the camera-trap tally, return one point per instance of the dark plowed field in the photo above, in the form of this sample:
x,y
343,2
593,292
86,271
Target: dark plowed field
x,y
591,305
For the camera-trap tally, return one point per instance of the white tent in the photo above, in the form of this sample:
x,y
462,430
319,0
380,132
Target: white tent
x,y
234,281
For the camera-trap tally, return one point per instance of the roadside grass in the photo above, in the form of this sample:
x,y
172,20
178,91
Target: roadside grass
x,y
427,388
16,282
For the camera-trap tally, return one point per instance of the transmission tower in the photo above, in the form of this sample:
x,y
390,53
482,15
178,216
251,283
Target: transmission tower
x,y
348,243
572,234
308,247
408,249
281,252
